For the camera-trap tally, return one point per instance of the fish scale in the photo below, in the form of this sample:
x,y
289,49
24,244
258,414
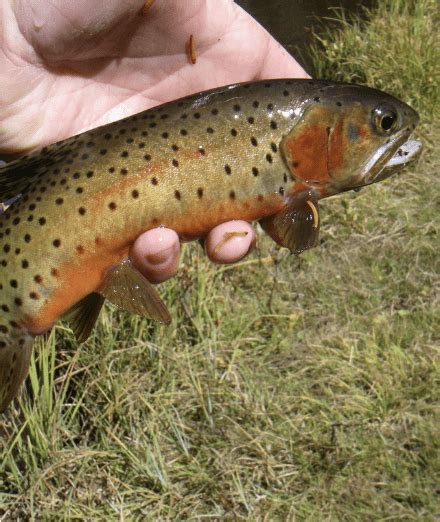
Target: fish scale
x,y
188,165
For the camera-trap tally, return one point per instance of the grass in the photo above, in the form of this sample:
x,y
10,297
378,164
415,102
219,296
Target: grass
x,y
286,388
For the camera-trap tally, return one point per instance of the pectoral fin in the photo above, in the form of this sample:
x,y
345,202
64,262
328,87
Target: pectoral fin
x,y
128,289
82,316
296,227
14,366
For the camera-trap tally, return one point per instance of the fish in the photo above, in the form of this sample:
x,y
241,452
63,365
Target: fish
x,y
264,151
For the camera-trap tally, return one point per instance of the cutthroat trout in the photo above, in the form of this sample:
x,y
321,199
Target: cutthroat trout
x,y
255,151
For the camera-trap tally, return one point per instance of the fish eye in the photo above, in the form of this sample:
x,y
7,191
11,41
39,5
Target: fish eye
x,y
385,119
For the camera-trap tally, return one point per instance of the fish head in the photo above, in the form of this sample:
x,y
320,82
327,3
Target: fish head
x,y
348,136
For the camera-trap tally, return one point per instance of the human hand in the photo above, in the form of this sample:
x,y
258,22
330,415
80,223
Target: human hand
x,y
66,68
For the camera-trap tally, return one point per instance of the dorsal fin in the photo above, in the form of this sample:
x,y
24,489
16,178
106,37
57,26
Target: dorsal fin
x,y
18,174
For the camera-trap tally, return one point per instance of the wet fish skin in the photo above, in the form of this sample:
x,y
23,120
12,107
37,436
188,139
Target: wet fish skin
x,y
248,151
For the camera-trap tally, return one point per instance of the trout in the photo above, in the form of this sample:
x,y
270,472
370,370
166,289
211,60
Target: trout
x,y
263,151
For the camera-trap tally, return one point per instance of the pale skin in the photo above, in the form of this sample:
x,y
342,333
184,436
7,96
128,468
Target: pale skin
x,y
66,68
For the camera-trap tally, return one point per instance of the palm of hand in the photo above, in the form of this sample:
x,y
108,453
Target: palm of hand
x,y
66,67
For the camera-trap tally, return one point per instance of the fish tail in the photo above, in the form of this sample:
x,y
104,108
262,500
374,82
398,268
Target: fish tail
x,y
15,353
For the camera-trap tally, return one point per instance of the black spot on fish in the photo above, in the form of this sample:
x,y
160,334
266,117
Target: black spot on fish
x,y
234,132
214,112
81,211
134,194
90,174
42,221
255,104
147,157
274,147
175,163
56,243
196,115
255,171
237,108
112,205
251,120
210,130
124,154
124,172
24,263
269,158
228,169
59,201
273,124
111,170
200,192
232,194
254,141
183,132
165,135
177,195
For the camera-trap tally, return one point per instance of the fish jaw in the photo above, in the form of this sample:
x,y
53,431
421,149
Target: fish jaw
x,y
407,153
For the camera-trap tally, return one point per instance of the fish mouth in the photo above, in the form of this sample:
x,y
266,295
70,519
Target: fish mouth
x,y
406,153
392,158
